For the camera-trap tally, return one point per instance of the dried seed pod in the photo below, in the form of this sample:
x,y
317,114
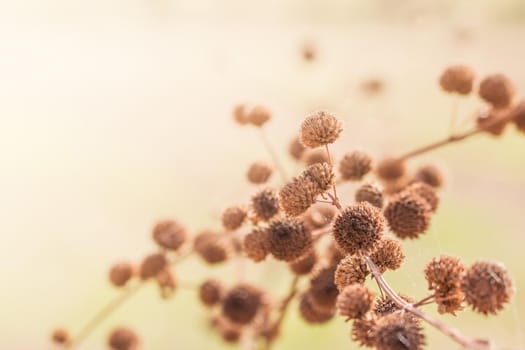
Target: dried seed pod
x,y
395,186
120,274
426,192
385,306
444,273
333,254
256,244
319,216
487,287
166,282
352,269
355,165
370,193
497,90
296,148
212,247
123,339
311,313
398,332
239,114
233,217
319,129
358,228
321,174
241,303
363,331
355,301
408,215
449,301
152,265
259,172
494,121
265,204
304,264
390,169
323,290
288,239
259,115
60,336
298,195
431,175
229,332
269,331
169,234
314,156
388,254
519,116
210,292
458,79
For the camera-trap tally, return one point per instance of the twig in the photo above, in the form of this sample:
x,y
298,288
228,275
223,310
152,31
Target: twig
x,y
456,335
273,155
424,301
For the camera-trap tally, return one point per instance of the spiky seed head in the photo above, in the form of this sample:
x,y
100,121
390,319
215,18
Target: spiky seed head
x,y
239,114
426,192
319,129
431,175
241,303
60,336
458,79
288,239
152,265
398,332
259,172
265,204
296,148
363,331
352,269
355,301
312,313
519,116
323,290
212,247
487,286
355,165
370,193
210,292
120,273
256,244
385,306
387,254
166,282
123,339
390,169
493,121
304,264
298,195
321,174
497,89
314,156
449,301
444,273
233,217
319,216
169,234
259,115
358,228
408,215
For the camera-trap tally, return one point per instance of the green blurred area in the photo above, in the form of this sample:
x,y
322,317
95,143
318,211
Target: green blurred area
x,y
116,114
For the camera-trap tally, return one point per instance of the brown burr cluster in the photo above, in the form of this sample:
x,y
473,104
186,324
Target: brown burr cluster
x,y
330,246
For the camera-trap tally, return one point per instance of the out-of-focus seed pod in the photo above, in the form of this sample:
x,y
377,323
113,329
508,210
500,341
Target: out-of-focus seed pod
x,y
259,173
370,193
323,290
431,175
355,165
60,336
259,115
288,239
241,303
387,255
152,265
166,282
355,301
314,156
426,192
296,148
312,313
494,121
458,79
210,292
233,217
120,273
256,244
169,234
497,89
408,215
363,331
398,332
240,115
319,129
212,247
304,264
352,269
519,116
265,204
390,169
123,339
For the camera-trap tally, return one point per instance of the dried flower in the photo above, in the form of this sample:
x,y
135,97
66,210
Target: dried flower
x,y
487,287
296,148
210,292
233,217
458,79
298,195
123,339
120,274
60,336
169,234
265,204
319,129
355,301
431,175
241,303
358,228
304,264
370,193
497,90
152,265
352,269
398,332
239,114
363,331
313,156
388,254
355,165
321,174
311,313
426,192
259,172
323,290
390,169
288,239
212,247
449,301
408,215
258,116
256,244
444,273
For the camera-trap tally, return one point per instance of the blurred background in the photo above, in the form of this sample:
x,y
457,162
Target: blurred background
x,y
115,114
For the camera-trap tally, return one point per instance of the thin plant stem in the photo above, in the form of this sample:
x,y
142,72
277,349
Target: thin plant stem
x,y
456,335
424,301
273,154
331,162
